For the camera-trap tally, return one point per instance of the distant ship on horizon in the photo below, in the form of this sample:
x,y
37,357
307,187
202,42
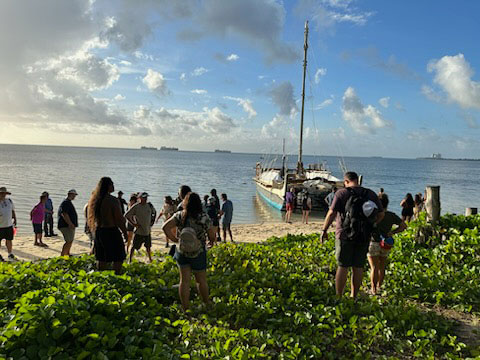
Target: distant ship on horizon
x,y
148,148
223,151
166,148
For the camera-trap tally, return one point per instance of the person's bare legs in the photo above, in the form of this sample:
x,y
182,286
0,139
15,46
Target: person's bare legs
x,y
357,276
129,240
132,250
307,213
35,242
382,260
230,232
224,234
202,285
184,288
149,253
8,244
66,248
340,280
117,267
40,239
374,269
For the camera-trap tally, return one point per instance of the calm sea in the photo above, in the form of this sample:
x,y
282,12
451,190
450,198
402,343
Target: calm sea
x,y
29,170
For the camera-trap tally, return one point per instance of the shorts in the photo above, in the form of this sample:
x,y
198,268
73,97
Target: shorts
x,y
197,264
215,222
305,208
407,212
109,246
6,233
351,253
138,240
289,207
68,234
37,228
376,250
226,225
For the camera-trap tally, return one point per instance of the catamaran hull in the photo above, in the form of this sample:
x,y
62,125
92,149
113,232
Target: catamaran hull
x,y
271,196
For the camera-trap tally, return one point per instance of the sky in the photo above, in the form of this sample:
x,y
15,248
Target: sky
x,y
384,78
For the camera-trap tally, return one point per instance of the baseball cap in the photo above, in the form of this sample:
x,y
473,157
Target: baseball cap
x,y
120,192
72,191
368,207
144,195
3,189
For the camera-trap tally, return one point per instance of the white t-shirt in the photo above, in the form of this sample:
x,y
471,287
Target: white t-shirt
x,y
6,208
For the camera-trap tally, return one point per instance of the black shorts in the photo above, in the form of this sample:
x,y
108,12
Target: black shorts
x,y
109,246
351,253
139,240
407,212
6,233
37,228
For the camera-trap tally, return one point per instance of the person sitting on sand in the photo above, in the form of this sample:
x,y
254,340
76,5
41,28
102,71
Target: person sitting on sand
x,y
167,212
289,201
8,220
377,256
407,205
37,215
105,219
306,207
191,219
67,221
227,214
140,216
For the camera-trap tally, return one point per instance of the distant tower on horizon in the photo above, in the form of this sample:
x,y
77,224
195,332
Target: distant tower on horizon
x,y
436,156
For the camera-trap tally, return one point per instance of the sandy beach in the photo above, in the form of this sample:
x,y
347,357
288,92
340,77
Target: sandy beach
x,y
24,249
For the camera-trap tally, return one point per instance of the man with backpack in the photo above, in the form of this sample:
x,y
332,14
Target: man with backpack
x,y
356,211
142,216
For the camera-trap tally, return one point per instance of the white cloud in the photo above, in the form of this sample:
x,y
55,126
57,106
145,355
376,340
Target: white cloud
x,y
324,104
431,94
362,119
320,73
119,97
183,76
453,75
155,82
199,91
276,128
233,57
246,104
199,71
470,120
282,96
385,102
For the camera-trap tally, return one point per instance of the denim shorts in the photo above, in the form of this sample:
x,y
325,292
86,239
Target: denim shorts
x,y
198,263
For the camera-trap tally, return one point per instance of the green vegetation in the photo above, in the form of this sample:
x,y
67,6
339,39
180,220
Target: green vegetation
x,y
272,300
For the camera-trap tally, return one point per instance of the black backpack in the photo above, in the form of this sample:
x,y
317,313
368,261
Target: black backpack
x,y
357,226
153,214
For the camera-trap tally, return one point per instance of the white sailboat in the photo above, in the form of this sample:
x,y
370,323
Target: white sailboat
x,y
273,183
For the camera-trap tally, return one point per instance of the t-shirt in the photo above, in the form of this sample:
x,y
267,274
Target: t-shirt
x,y
385,226
200,225
6,210
212,209
289,197
329,198
49,204
227,209
339,202
38,213
143,217
168,211
67,207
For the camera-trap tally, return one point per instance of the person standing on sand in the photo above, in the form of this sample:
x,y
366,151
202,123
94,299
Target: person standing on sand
x,y
213,193
140,216
183,191
48,222
407,205
167,212
306,207
205,203
106,221
418,201
289,200
351,249
123,202
192,226
227,214
213,214
330,196
8,220
37,215
133,200
377,256
67,221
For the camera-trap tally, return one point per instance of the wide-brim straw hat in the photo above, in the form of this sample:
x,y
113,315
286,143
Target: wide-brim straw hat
x,y
3,189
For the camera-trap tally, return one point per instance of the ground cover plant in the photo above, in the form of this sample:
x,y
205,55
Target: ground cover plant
x,y
271,300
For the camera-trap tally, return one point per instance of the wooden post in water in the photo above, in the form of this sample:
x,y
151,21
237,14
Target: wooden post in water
x,y
433,203
471,211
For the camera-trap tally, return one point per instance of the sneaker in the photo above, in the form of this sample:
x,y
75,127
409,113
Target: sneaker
x,y
11,257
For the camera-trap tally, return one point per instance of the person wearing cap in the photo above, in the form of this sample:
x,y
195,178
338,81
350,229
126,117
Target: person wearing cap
x,y
140,217
67,221
350,253
377,255
48,221
8,220
123,202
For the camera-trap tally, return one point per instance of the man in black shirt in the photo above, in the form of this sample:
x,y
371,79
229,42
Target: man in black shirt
x,y
122,201
67,221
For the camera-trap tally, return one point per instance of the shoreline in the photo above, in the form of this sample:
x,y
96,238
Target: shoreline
x,y
24,250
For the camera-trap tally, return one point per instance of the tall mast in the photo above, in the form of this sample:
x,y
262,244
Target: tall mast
x,y
300,151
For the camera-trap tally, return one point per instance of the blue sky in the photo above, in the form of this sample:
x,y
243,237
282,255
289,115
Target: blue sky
x,y
384,78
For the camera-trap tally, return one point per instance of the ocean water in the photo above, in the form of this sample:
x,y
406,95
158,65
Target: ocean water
x,y
27,171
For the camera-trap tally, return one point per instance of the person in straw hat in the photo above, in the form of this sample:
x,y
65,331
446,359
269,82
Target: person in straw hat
x,y
8,220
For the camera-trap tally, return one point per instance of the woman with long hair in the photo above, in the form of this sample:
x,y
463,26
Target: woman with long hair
x,y
191,219
104,220
133,200
407,205
418,201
